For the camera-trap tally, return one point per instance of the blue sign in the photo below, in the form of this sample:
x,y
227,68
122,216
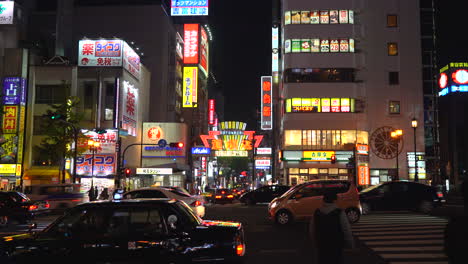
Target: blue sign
x,y
13,91
201,151
162,143
189,8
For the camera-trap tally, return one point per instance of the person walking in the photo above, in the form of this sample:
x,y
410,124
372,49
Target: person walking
x,y
104,194
330,231
92,193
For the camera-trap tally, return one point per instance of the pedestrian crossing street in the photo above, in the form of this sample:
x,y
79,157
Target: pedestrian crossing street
x,y
403,237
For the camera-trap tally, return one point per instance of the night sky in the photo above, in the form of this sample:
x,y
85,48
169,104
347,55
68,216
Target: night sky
x,y
242,42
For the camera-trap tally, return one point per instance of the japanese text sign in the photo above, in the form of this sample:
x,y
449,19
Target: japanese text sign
x,y
131,61
363,175
107,53
317,155
190,86
103,165
130,108
107,141
191,43
7,12
14,91
189,8
211,111
266,103
204,49
10,118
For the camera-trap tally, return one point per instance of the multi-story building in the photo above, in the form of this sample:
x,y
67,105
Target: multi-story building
x,y
351,75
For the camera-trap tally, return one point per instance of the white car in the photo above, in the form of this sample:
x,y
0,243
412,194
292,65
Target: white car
x,y
197,203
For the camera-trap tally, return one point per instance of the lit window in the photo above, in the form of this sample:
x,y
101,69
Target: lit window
x,y
293,137
392,21
392,49
394,107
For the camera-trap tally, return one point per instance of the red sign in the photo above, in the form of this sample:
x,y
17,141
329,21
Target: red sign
x,y
363,175
443,80
191,43
266,117
155,133
203,163
203,51
10,118
211,111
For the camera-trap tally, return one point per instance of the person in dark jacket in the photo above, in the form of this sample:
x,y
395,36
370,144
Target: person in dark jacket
x,y
330,231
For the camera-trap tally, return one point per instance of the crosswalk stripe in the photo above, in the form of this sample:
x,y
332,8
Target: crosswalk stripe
x,y
395,232
406,242
401,237
406,249
424,227
413,256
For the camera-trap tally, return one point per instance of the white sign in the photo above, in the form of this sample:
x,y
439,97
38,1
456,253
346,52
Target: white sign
x,y
154,171
264,151
231,153
6,12
102,53
130,108
263,163
107,141
131,61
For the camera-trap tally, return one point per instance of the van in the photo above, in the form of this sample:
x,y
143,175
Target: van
x,y
300,202
59,196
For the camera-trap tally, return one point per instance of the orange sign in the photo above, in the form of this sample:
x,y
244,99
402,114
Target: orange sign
x,y
363,175
362,149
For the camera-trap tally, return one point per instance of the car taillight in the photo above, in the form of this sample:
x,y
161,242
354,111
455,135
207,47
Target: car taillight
x,y
440,195
239,192
222,192
230,196
218,197
47,205
32,207
240,250
76,200
196,203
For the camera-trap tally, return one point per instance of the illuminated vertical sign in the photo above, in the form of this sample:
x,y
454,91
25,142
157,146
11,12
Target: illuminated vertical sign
x,y
335,105
191,43
211,111
7,12
266,103
190,87
325,105
130,108
189,8
275,50
363,175
204,51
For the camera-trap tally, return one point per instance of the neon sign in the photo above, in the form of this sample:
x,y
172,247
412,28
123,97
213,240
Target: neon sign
x,y
266,104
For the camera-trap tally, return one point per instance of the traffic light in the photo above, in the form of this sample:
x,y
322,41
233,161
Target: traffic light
x,y
176,145
55,116
333,159
127,172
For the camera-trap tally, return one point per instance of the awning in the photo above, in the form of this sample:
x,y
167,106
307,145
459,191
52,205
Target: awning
x,y
44,173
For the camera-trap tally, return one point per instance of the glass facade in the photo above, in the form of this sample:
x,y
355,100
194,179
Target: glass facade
x,y
324,139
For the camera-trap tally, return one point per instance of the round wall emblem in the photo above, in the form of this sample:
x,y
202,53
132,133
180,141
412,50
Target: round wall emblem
x,y
155,133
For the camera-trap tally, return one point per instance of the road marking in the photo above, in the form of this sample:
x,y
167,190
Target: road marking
x,y
416,248
278,251
413,255
406,242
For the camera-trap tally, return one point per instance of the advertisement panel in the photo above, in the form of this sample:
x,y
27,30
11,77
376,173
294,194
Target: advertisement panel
x,y
204,51
314,17
103,53
325,105
10,119
296,45
190,87
317,155
14,91
7,12
266,103
103,165
154,171
154,133
189,8
201,151
287,17
231,153
211,111
7,169
275,49
8,148
262,163
287,46
131,61
263,151
305,45
363,175
130,108
107,141
191,43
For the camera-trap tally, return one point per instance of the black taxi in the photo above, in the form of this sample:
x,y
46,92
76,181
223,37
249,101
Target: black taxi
x,y
139,231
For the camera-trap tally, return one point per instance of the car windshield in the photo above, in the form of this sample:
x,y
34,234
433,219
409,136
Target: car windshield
x,y
371,188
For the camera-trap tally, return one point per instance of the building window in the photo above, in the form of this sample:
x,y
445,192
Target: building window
x,y
50,94
324,139
392,21
394,107
393,78
314,75
392,49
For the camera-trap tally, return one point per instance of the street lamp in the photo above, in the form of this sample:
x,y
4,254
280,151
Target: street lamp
x,y
396,135
93,147
414,124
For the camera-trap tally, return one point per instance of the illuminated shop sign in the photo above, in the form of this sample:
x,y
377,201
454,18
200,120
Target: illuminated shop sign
x,y
419,163
7,169
247,140
191,43
318,45
231,153
275,49
7,12
103,165
317,155
204,51
201,151
211,111
263,151
320,105
264,163
305,17
266,103
130,108
189,8
154,171
190,86
362,149
363,175
453,78
14,91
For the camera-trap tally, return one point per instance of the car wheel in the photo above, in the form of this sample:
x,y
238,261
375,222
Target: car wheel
x,y
283,218
353,215
365,208
425,207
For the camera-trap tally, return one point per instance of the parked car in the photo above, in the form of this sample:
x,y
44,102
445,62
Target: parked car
x,y
401,195
209,195
16,206
60,196
300,202
263,194
197,203
128,231
223,196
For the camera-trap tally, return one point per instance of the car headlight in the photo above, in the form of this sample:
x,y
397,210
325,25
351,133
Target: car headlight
x,y
273,204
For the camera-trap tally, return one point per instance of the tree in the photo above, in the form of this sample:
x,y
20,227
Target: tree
x,y
59,125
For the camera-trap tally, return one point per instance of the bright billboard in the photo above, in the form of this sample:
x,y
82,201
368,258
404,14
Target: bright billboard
x,y
204,51
189,8
7,12
266,103
211,111
190,86
191,43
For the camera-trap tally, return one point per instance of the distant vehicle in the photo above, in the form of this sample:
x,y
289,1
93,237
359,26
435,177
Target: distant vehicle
x,y
401,195
18,207
60,196
263,194
223,196
128,231
197,203
300,202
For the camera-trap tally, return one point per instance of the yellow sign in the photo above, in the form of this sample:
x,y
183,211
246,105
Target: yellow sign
x,y
18,170
22,117
8,169
190,86
10,119
317,155
20,148
9,148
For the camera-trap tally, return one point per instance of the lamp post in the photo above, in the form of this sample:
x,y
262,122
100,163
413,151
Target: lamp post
x,y
396,135
93,146
414,124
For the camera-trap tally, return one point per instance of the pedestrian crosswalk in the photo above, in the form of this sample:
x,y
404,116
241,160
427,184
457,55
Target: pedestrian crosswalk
x,y
403,237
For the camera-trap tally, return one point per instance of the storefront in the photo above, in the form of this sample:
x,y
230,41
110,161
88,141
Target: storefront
x,y
153,177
